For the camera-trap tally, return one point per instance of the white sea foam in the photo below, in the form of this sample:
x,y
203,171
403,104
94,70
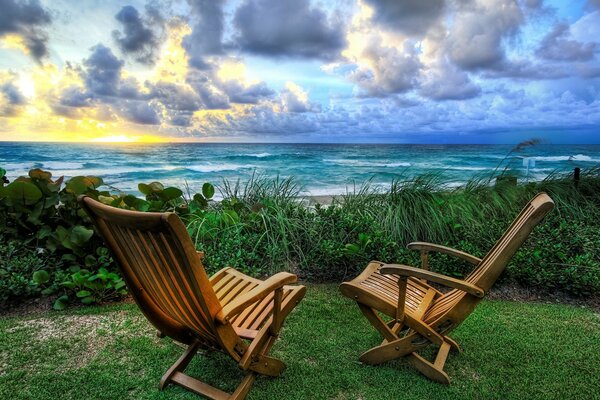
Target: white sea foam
x,y
453,167
52,165
578,157
17,166
217,167
259,155
361,163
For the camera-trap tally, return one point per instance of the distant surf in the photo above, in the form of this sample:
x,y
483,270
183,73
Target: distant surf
x,y
322,169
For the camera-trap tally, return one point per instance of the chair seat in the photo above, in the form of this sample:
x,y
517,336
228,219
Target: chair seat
x,y
229,284
380,291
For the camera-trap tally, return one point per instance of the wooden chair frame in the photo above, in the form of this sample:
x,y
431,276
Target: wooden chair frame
x,y
230,312
420,314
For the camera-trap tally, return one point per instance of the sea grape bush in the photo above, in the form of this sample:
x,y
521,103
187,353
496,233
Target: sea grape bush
x,y
48,246
43,216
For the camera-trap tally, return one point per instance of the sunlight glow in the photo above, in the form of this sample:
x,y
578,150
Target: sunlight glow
x,y
129,139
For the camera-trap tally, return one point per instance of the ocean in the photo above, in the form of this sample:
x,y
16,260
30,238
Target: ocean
x,y
321,169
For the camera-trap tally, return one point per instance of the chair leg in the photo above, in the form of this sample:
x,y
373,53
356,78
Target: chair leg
x,y
176,376
180,364
434,371
455,346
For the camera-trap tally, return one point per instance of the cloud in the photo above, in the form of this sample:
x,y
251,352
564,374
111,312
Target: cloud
x,y
26,19
139,112
74,96
103,71
213,98
207,31
10,98
558,46
412,17
137,38
294,99
251,94
176,97
295,29
386,70
476,37
446,82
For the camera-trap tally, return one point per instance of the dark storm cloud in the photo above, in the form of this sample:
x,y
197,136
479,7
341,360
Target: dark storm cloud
x,y
558,46
26,19
287,29
137,38
207,31
413,17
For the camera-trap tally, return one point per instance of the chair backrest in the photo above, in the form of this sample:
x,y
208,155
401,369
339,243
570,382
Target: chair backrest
x,y
492,265
162,270
455,305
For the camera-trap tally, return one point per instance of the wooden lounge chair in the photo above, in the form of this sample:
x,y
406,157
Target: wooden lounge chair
x,y
230,311
420,314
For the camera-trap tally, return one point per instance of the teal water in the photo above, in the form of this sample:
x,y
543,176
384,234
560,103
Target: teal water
x,y
320,168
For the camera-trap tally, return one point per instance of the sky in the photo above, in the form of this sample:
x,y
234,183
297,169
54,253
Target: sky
x,y
364,71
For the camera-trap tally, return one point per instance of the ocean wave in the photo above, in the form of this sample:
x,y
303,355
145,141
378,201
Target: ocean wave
x,y
578,157
114,170
52,165
453,167
217,167
360,163
16,166
259,155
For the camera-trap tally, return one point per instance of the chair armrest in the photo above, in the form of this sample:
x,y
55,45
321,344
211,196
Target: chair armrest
x,y
404,270
424,246
266,287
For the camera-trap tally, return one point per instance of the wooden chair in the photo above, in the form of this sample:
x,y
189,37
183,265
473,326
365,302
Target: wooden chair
x,y
420,314
230,311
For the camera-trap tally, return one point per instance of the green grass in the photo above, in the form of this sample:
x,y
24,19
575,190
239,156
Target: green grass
x,y
511,350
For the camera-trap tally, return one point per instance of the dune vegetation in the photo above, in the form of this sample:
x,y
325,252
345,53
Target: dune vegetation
x,y
48,247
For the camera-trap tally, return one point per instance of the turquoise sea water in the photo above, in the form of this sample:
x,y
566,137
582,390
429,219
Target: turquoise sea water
x,y
320,168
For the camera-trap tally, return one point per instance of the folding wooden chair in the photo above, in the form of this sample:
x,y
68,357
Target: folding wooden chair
x,y
420,314
231,312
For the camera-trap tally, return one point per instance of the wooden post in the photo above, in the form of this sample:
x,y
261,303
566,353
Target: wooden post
x,y
576,175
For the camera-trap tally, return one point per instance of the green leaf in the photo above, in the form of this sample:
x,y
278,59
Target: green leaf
x,y
40,174
154,187
144,189
82,184
200,200
2,173
171,193
88,300
81,235
83,293
106,200
231,217
61,302
41,277
208,190
26,192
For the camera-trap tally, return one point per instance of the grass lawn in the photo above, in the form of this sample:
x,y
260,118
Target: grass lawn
x,y
511,350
